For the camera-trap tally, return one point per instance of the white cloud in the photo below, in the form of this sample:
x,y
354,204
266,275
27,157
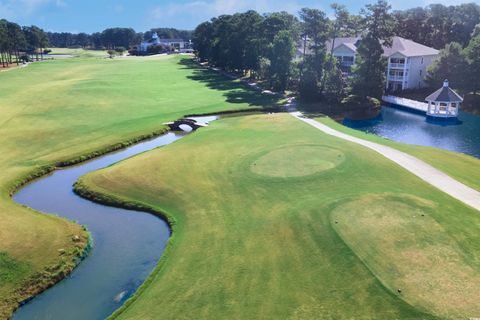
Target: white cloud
x,y
209,8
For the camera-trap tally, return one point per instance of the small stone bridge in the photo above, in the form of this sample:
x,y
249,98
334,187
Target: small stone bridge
x,y
192,123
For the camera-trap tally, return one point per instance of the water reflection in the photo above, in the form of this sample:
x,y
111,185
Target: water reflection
x,y
403,126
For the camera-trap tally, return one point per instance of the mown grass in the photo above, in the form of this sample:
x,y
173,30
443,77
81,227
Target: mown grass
x,y
255,243
457,165
80,52
64,111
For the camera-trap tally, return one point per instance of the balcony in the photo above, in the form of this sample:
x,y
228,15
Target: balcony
x,y
395,78
347,63
398,66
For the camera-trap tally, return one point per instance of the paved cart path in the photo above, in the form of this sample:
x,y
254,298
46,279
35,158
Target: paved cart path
x,y
416,166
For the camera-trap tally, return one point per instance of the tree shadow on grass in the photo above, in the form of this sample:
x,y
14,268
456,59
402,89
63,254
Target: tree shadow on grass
x,y
234,91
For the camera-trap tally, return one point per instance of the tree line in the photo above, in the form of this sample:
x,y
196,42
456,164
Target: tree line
x,y
17,43
459,64
112,38
290,53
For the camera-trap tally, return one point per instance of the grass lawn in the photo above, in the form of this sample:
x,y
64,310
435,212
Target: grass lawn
x,y
57,110
457,165
80,52
264,231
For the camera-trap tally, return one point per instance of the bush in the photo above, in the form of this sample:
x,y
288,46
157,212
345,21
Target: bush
x,y
308,87
353,102
112,53
120,50
156,49
25,58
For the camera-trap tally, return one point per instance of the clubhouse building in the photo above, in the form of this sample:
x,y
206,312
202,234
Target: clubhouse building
x,y
408,61
177,45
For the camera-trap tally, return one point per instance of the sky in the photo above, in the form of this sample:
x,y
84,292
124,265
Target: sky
x,y
96,15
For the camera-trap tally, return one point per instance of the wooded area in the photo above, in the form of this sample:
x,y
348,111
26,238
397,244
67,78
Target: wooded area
x,y
265,47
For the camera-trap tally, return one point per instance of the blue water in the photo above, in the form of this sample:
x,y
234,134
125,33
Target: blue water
x,y
127,244
403,126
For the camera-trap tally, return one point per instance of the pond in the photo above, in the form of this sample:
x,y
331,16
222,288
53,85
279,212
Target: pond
x,y
403,126
127,245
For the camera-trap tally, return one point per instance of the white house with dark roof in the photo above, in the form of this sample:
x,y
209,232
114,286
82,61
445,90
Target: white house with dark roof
x,y
407,60
178,45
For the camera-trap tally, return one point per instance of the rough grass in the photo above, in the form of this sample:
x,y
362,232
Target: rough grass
x,y
412,252
248,245
457,165
56,112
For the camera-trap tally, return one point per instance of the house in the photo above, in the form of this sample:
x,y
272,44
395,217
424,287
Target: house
x,y
408,61
177,45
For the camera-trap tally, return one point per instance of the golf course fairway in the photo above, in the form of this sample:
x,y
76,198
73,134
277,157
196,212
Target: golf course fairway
x,y
348,236
64,111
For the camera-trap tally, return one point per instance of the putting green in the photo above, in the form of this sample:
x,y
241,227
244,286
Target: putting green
x,y
412,252
297,161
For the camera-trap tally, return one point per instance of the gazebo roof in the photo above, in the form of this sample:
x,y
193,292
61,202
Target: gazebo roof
x,y
444,94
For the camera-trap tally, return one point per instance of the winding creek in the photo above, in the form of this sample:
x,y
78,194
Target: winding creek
x,y
127,245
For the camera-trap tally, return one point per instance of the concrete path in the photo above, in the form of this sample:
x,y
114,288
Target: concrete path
x,y
419,168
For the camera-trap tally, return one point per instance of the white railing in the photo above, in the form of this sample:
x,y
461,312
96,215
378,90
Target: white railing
x,y
347,63
397,66
408,103
395,78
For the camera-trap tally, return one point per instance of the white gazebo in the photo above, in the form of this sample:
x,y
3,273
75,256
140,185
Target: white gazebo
x,y
444,103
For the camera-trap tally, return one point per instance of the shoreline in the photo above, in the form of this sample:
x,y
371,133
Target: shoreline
x,y
44,284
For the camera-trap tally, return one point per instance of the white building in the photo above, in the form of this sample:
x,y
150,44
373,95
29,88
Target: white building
x,y
407,60
178,45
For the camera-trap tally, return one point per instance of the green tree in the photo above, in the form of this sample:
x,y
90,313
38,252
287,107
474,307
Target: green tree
x,y
202,40
341,24
3,42
452,65
317,28
282,52
335,87
369,69
473,59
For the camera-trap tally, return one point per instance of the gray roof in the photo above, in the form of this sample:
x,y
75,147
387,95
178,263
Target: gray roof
x,y
403,46
348,42
170,40
444,94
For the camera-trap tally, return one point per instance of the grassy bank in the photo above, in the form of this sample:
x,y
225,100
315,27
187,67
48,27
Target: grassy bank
x,y
457,165
64,111
277,220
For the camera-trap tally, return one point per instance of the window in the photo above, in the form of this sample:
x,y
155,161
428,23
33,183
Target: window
x,y
421,71
422,60
396,73
397,60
